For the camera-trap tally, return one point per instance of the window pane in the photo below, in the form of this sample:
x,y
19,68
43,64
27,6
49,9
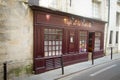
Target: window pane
x,y
97,41
53,53
82,41
52,42
117,33
46,53
50,48
49,42
46,37
54,48
60,42
111,35
50,53
58,31
117,19
45,48
57,53
96,9
60,48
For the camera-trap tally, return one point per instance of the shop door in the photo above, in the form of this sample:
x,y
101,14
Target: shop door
x,y
71,40
91,40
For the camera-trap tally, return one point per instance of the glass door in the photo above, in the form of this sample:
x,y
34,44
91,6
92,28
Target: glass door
x,y
71,40
91,40
94,41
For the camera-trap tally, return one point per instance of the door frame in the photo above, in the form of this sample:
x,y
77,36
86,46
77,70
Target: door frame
x,y
91,41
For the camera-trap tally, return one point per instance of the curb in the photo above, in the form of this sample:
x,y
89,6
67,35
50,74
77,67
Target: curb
x,y
62,76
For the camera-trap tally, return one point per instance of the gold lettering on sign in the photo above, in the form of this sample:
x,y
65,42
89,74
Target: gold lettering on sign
x,y
47,16
77,22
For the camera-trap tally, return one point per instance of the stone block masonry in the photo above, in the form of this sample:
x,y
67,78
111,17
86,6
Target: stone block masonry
x,y
16,32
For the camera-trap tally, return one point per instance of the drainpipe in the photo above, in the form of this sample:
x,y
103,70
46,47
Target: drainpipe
x,y
70,3
107,26
108,12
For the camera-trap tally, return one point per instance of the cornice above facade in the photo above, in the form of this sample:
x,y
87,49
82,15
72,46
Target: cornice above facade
x,y
38,8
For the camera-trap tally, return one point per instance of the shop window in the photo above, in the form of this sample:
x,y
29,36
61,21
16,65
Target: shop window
x,y
52,42
111,36
117,19
82,41
96,9
117,37
97,41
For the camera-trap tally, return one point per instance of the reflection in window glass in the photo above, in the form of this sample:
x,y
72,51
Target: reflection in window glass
x,y
52,42
117,19
96,9
111,36
117,37
97,41
82,41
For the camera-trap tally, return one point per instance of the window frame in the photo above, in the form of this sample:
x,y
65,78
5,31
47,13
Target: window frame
x,y
96,5
98,43
83,45
54,42
110,37
117,37
117,19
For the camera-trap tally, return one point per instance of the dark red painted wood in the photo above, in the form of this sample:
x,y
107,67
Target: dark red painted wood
x,y
71,40
98,54
75,58
70,50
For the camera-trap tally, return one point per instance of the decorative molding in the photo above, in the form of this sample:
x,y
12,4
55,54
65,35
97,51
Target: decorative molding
x,y
33,2
98,1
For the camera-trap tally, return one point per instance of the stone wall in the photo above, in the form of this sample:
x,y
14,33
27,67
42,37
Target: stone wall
x,y
16,32
114,51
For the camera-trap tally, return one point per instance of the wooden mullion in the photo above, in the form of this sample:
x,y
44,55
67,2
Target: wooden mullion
x,y
55,43
59,47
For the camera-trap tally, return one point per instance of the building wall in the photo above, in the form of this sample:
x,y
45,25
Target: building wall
x,y
118,28
16,33
76,6
16,25
79,8
112,27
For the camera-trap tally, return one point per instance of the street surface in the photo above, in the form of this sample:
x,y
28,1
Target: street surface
x,y
107,71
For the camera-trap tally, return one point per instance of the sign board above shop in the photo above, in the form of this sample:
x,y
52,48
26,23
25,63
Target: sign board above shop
x,y
65,20
77,22
59,18
71,21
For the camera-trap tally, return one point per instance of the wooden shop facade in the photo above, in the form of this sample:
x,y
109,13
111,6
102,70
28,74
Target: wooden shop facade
x,y
58,33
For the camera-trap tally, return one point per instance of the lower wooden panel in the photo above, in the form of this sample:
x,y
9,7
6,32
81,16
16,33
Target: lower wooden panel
x,y
98,54
50,63
46,64
74,58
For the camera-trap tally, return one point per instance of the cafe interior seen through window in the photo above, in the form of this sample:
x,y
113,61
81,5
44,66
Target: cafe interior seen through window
x,y
97,41
82,41
52,42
